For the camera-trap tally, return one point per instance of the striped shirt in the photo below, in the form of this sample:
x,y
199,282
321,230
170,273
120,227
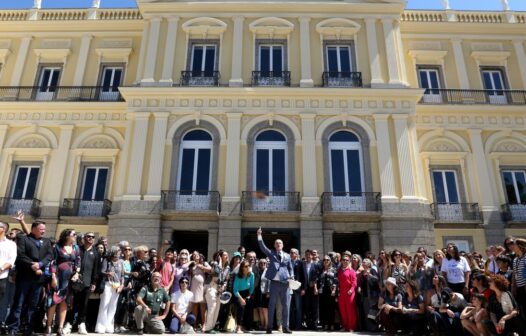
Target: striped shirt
x,y
519,265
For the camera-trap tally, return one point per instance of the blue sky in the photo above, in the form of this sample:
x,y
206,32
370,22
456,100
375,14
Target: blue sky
x,y
419,4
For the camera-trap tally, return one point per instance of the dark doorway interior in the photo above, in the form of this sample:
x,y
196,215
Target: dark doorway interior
x,y
191,240
355,242
290,239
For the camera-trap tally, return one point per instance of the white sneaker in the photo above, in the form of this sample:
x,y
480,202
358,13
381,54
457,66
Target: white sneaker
x,y
82,329
67,329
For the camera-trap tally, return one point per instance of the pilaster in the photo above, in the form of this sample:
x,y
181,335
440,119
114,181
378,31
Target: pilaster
x,y
391,45
155,172
82,60
328,245
237,52
306,72
310,188
151,54
136,163
142,52
521,58
486,194
374,56
405,162
385,159
120,178
20,60
461,64
232,155
169,52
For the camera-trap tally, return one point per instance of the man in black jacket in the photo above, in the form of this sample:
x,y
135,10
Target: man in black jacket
x,y
89,269
296,306
34,254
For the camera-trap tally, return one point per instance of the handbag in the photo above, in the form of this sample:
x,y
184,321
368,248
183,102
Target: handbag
x,y
230,325
373,314
77,285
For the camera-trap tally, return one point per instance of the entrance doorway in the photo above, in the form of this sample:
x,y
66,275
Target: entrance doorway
x,y
355,242
191,240
290,238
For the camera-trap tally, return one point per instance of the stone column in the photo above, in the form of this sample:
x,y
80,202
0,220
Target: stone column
x,y
151,54
419,173
82,60
212,242
20,61
120,177
229,234
237,53
58,164
460,63
3,134
306,72
374,241
142,52
155,173
405,162
391,45
521,58
385,159
374,56
136,163
169,52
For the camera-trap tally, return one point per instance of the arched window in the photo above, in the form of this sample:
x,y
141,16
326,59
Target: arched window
x,y
195,163
270,162
346,171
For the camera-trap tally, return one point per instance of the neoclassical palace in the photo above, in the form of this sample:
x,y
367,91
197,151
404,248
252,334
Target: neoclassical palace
x,y
332,124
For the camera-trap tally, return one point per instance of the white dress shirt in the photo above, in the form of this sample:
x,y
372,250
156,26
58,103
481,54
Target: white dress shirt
x,y
7,255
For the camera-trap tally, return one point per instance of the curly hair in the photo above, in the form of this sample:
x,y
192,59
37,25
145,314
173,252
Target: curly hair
x,y
500,282
64,236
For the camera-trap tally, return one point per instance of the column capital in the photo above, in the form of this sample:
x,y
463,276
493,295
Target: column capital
x,y
387,20
172,18
370,20
138,116
160,115
234,115
474,131
307,116
238,18
87,36
155,19
381,117
402,116
66,127
304,19
518,40
456,40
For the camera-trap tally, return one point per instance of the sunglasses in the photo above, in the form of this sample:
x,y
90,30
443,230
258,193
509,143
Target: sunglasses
x,y
90,237
184,282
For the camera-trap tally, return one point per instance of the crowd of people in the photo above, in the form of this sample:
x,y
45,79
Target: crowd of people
x,y
80,283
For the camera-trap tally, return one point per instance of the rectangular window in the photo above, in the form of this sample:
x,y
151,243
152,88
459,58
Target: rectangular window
x,y
271,59
203,60
48,82
338,58
446,186
26,178
94,183
494,84
515,184
111,78
262,170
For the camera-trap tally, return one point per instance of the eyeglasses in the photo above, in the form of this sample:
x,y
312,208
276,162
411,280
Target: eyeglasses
x,y
128,249
184,282
326,259
90,237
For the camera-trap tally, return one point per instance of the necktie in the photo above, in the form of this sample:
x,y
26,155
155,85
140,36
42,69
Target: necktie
x,y
279,256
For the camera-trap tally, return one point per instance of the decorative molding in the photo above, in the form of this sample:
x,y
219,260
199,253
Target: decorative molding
x,y
428,56
271,26
113,54
491,57
509,146
204,27
493,121
52,54
338,28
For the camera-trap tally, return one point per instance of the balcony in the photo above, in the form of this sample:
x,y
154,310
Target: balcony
x,y
456,212
9,206
270,201
473,97
85,208
350,202
514,212
60,93
190,201
270,78
200,78
342,79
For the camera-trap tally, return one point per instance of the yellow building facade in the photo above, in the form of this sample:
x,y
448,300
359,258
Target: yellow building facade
x,y
334,125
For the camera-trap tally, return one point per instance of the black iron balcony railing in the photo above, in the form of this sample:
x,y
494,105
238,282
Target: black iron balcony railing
x,y
200,78
9,206
342,79
456,212
350,202
514,212
85,208
270,78
60,93
188,200
270,201
472,97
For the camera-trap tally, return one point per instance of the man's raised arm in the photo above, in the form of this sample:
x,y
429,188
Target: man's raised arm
x,y
261,243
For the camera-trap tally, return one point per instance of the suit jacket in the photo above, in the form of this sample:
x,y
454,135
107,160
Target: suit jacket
x,y
312,274
282,267
28,252
299,273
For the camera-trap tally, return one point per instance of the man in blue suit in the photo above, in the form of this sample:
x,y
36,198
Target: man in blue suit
x,y
279,271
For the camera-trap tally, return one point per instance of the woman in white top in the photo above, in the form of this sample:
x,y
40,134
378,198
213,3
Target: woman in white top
x,y
456,270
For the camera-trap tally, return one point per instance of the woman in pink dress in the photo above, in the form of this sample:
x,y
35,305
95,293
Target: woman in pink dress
x,y
347,279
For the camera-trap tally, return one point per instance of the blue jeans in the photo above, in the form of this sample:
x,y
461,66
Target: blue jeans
x,y
7,299
26,292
